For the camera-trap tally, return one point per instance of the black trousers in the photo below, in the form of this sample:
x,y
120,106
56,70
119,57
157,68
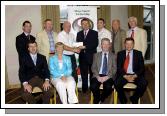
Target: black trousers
x,y
139,91
85,69
107,89
74,66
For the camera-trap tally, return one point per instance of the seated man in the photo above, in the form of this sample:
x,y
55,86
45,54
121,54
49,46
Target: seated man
x,y
34,72
104,69
130,68
61,71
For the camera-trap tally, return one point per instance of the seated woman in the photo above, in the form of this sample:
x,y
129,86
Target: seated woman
x,y
61,71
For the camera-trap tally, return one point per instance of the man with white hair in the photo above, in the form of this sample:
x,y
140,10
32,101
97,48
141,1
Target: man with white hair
x,y
138,34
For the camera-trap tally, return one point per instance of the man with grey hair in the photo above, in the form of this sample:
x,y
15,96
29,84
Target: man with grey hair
x,y
68,39
118,35
138,34
104,69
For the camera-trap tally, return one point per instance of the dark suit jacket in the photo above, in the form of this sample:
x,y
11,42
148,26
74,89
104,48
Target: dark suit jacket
x,y
91,43
28,70
97,60
138,63
21,45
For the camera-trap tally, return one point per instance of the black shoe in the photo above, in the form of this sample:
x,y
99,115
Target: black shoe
x,y
133,100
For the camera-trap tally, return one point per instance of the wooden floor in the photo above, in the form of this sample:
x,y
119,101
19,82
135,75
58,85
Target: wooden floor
x,y
12,96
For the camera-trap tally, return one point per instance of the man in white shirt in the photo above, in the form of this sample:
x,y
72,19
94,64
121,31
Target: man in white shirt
x,y
102,33
138,34
69,40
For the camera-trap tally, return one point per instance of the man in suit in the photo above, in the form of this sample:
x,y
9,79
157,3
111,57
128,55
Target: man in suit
x,y
138,34
104,69
34,72
46,39
89,38
130,69
118,35
22,40
102,33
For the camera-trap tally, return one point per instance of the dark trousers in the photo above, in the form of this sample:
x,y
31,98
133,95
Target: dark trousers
x,y
107,89
139,91
74,67
85,68
36,82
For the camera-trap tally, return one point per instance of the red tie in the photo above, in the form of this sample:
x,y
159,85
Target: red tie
x,y
126,63
132,35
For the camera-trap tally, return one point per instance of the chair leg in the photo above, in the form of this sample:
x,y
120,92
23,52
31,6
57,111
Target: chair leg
x,y
91,98
54,96
76,89
115,96
139,101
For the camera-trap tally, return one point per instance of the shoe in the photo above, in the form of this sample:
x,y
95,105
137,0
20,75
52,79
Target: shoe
x,y
133,100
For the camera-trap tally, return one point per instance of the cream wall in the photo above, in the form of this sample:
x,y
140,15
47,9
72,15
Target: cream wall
x,y
120,12
14,17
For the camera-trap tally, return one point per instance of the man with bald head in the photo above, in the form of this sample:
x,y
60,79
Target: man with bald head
x,y
138,34
118,35
68,39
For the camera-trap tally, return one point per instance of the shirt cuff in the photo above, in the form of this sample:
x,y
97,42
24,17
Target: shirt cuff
x,y
46,79
24,83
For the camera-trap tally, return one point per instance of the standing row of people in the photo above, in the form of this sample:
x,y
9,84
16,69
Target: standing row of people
x,y
65,50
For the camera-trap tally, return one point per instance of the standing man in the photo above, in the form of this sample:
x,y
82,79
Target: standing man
x,y
22,40
34,72
118,35
102,33
104,69
130,69
68,39
46,39
138,34
89,38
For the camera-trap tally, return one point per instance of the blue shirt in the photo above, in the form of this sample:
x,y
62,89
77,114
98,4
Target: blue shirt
x,y
130,66
51,42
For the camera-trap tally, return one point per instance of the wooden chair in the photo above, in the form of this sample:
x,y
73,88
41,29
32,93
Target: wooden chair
x,y
129,86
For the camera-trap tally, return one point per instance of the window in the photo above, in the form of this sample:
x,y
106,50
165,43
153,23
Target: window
x,y
149,27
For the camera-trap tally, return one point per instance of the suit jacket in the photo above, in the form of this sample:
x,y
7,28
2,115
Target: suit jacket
x,y
56,71
21,45
137,62
28,70
43,43
91,43
119,40
97,60
140,37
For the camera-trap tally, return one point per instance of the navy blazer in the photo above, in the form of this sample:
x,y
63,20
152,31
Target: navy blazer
x,y
28,70
137,62
91,43
21,45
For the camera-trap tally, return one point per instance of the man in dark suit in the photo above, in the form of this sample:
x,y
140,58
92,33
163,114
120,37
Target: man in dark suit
x,y
22,40
104,69
34,72
130,69
89,38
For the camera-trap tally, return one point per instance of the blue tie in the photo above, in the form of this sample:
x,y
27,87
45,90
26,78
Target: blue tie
x,y
104,70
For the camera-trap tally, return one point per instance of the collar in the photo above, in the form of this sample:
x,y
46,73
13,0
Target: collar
x,y
32,55
26,33
100,30
129,51
65,32
134,28
104,53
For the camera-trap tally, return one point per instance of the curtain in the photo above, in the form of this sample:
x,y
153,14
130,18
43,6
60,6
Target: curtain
x,y
51,12
105,12
137,11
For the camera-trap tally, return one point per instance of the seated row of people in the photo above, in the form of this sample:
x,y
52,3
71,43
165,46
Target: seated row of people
x,y
108,69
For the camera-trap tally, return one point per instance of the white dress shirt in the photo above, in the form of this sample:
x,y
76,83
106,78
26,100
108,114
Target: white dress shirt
x,y
67,39
34,58
130,31
101,67
103,33
130,66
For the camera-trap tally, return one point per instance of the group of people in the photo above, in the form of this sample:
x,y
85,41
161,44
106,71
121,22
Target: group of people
x,y
107,57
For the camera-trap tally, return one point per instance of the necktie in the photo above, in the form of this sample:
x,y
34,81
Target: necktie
x,y
84,34
104,70
114,34
126,63
34,59
132,35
